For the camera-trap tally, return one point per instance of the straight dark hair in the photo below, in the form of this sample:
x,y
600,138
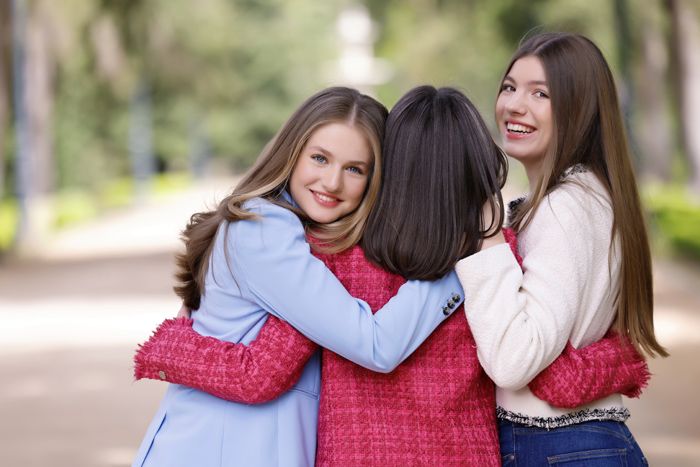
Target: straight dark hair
x,y
441,166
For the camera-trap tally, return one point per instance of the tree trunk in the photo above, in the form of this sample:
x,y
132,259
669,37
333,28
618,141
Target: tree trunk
x,y
685,32
654,119
40,71
35,178
5,41
626,83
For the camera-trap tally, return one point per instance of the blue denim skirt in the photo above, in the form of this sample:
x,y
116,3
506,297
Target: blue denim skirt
x,y
587,444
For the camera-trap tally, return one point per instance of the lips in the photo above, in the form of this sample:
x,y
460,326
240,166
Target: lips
x,y
518,130
325,199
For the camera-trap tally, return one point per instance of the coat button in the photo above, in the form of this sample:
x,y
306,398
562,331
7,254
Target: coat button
x,y
446,310
451,303
456,297
161,375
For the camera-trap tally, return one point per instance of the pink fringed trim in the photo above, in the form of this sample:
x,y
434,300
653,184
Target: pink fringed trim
x,y
611,365
142,369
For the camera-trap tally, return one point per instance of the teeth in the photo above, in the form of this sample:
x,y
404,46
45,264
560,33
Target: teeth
x,y
516,127
325,198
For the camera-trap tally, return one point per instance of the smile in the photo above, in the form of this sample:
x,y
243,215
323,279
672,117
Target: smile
x,y
325,199
519,128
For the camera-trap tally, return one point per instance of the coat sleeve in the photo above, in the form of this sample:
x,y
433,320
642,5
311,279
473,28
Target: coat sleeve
x,y
255,373
273,266
580,376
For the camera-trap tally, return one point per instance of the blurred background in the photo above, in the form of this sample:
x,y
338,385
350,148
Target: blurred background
x,y
120,118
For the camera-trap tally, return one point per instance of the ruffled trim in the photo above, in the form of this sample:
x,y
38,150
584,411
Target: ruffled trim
x,y
141,369
573,170
617,414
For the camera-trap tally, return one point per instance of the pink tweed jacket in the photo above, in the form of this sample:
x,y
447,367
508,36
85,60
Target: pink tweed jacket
x,y
436,408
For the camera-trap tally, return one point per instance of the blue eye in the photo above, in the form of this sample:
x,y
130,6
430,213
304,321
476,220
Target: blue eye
x,y
320,158
355,170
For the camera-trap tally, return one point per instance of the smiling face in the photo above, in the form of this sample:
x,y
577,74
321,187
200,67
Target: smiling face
x,y
331,174
524,113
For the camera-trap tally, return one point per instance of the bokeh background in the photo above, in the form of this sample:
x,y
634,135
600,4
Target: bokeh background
x,y
120,118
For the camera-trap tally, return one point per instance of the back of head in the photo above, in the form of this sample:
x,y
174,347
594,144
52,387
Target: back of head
x,y
440,167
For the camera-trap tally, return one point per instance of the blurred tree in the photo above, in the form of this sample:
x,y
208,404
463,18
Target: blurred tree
x,y
5,40
652,110
685,65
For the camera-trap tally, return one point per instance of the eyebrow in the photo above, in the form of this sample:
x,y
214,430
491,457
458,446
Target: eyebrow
x,y
535,82
326,151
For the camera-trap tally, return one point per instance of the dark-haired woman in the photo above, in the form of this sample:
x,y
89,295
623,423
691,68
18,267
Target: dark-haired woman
x,y
587,263
437,408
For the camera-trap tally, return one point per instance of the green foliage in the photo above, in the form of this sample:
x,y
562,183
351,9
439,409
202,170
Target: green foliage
x,y
675,215
8,223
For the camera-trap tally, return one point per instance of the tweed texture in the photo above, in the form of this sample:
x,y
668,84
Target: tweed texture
x,y
611,365
436,408
269,366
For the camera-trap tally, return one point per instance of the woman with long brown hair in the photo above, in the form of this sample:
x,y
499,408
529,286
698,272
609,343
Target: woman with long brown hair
x,y
587,264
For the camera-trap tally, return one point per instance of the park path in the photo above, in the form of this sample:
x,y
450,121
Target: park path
x,y
73,312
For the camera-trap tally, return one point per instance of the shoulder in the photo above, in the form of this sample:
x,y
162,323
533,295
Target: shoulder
x,y
272,223
576,212
579,197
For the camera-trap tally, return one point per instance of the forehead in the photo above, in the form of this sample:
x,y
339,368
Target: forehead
x,y
341,140
528,68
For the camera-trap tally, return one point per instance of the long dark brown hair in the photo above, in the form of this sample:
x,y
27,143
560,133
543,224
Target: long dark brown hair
x,y
269,177
441,166
589,130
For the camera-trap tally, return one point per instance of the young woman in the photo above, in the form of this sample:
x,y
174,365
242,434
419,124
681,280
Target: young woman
x,y
249,258
586,257
437,408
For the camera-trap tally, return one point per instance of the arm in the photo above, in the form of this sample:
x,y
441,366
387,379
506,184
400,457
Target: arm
x,y
522,321
281,275
259,372
578,377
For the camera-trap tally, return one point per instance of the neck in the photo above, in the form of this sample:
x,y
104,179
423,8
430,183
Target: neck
x,y
534,173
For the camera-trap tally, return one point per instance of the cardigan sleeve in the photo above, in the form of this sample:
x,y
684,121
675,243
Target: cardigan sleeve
x,y
255,373
580,376
522,321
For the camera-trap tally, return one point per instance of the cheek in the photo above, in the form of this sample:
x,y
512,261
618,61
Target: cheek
x,y
356,190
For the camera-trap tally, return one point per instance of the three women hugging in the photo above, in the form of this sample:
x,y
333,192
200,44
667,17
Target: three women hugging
x,y
329,290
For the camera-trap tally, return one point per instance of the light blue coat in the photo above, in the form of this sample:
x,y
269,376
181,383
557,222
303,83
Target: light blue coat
x,y
268,268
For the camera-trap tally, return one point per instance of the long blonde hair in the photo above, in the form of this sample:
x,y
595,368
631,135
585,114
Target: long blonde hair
x,y
268,179
588,129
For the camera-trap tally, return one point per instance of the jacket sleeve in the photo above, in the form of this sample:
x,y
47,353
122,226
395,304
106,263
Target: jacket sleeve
x,y
580,376
273,265
259,372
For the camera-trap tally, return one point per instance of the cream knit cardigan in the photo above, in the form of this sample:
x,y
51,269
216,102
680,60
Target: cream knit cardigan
x,y
522,318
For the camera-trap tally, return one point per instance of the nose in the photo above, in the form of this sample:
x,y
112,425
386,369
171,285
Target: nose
x,y
333,179
515,103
